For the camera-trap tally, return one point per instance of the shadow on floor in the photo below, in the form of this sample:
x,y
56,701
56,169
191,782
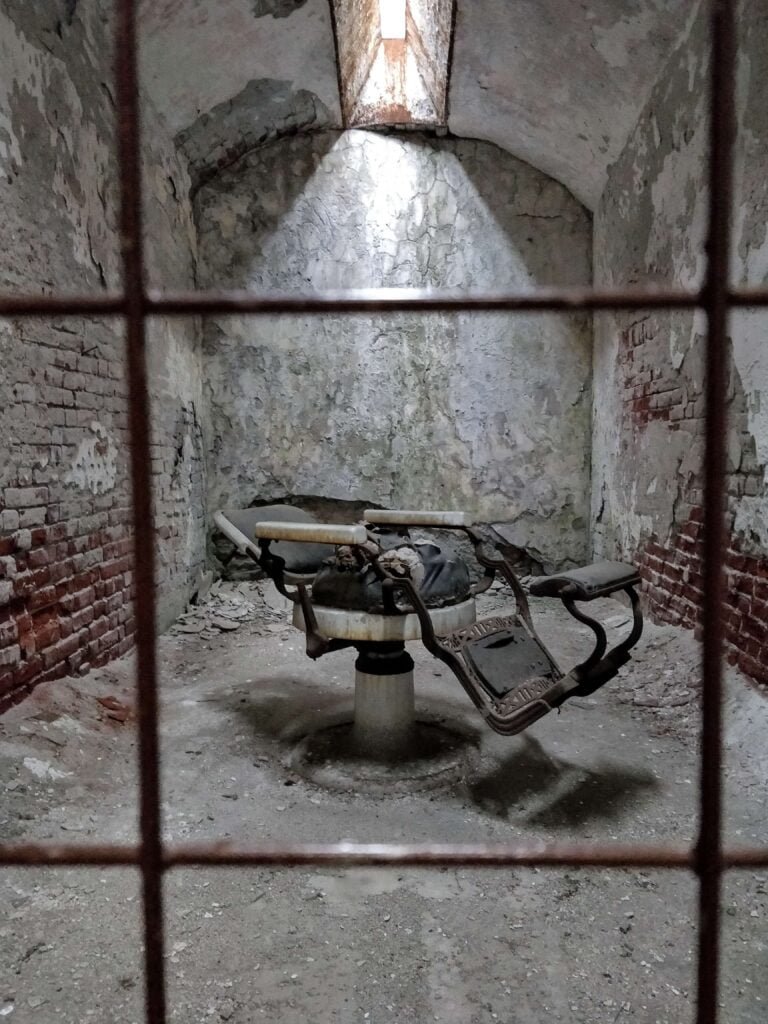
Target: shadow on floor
x,y
528,785
288,709
540,789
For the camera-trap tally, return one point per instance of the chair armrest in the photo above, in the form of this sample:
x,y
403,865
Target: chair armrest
x,y
597,580
231,532
312,533
410,517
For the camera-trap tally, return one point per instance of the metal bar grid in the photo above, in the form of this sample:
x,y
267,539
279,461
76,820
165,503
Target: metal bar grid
x,y
375,300
708,858
709,847
467,855
129,165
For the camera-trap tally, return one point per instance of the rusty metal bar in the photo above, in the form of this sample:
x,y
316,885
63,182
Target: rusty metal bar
x,y
747,297
370,300
455,854
411,300
61,305
58,855
150,850
415,855
709,864
374,300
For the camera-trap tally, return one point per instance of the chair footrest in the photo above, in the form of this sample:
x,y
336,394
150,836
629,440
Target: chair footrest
x,y
502,656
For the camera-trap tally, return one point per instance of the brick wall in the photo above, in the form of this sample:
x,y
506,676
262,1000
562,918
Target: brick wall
x,y
66,578
650,229
66,591
65,566
673,591
670,562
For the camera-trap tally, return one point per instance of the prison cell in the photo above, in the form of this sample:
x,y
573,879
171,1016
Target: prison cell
x,y
708,858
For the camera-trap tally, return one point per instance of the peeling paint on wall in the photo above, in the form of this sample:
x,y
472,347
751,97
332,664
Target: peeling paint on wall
x,y
560,83
263,110
197,55
649,373
95,465
65,521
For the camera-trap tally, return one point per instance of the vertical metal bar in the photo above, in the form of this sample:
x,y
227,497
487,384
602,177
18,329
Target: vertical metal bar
x,y
129,158
709,849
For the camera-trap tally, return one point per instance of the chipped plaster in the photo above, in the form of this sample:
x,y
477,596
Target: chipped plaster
x,y
196,56
94,467
564,108
559,84
651,227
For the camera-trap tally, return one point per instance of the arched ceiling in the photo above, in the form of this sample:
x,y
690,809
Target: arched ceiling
x,y
558,83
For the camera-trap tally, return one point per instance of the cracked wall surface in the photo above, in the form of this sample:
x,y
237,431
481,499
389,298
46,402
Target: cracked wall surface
x,y
649,369
197,56
66,582
558,84
263,110
484,412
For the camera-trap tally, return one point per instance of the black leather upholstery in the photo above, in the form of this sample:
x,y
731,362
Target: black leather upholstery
x,y
299,558
446,580
596,580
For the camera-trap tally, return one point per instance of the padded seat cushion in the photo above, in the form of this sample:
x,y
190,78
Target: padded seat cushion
x,y
596,580
341,585
304,559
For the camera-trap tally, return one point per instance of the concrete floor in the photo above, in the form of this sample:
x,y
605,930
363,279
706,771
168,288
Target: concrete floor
x,y
367,946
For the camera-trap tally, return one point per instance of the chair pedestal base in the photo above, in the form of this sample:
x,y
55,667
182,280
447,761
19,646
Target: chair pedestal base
x,y
384,727
385,714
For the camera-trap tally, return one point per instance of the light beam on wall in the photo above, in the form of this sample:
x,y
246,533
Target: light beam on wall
x,y
393,61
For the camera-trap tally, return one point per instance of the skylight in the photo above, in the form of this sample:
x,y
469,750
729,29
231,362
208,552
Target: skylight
x,y
393,57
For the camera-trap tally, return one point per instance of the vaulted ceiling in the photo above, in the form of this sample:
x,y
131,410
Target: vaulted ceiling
x,y
558,83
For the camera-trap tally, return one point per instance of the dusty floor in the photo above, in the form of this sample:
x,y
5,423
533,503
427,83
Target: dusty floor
x,y
374,947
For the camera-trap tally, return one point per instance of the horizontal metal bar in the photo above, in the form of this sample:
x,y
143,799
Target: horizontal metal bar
x,y
432,855
406,300
375,300
479,855
747,297
35,855
456,855
62,305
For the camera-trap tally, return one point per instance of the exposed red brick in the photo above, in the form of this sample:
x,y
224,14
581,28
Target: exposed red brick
x,y
670,596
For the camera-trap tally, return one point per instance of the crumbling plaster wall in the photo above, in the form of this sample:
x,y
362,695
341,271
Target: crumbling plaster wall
x,y
649,368
251,70
559,83
485,412
66,582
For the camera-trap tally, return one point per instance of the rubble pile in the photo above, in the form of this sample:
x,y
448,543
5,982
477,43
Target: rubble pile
x,y
228,606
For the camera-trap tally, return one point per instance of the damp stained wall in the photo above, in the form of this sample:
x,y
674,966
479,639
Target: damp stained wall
x,y
66,581
486,412
648,443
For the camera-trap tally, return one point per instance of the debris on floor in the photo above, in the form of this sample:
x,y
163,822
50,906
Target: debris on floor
x,y
225,607
376,946
115,710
